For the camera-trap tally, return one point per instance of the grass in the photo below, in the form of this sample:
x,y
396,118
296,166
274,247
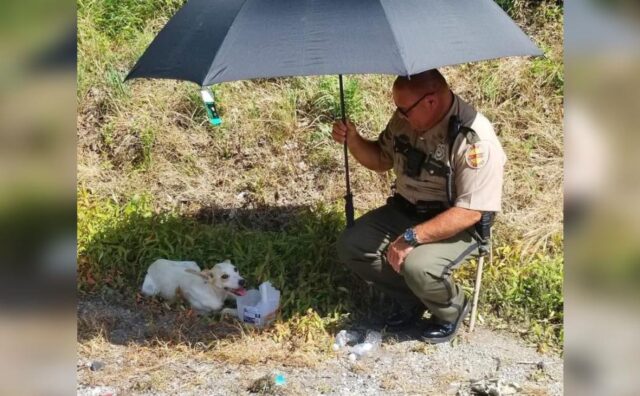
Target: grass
x,y
117,241
524,293
265,188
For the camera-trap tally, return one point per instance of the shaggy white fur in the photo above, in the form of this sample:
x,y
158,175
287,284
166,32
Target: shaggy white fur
x,y
205,289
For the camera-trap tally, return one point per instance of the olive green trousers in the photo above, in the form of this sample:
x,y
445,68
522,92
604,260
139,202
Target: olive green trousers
x,y
425,276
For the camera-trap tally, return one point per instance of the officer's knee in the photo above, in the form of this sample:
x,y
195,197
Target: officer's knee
x,y
416,271
413,268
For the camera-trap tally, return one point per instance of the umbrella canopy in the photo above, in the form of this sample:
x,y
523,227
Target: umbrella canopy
x,y
213,41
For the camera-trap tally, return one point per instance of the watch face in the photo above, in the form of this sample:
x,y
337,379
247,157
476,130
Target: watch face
x,y
409,236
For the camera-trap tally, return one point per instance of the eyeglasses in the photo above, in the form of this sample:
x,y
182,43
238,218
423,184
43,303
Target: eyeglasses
x,y
406,112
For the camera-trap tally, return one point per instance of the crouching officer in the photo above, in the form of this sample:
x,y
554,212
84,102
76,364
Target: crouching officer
x,y
449,168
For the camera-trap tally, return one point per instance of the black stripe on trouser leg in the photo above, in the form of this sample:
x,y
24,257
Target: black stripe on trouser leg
x,y
458,259
447,279
447,287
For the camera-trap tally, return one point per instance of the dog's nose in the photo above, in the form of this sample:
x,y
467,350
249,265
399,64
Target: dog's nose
x,y
241,282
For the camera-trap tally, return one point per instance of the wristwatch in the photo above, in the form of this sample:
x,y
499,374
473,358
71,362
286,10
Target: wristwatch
x,y
410,237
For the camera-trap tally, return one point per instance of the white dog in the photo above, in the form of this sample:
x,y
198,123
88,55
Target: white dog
x,y
205,290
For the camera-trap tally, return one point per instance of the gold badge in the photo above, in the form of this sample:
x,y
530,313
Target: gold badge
x,y
477,155
440,150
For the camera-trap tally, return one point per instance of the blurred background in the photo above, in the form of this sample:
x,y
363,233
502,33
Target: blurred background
x,y
38,190
602,227
37,197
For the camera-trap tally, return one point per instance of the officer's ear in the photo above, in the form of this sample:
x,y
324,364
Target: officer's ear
x,y
431,100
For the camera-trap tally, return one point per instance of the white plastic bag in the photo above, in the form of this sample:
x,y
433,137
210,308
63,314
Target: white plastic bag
x,y
259,307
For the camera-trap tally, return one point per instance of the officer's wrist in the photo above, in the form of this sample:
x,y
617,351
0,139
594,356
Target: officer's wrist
x,y
410,237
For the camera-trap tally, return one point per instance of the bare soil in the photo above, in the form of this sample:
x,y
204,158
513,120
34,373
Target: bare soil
x,y
159,349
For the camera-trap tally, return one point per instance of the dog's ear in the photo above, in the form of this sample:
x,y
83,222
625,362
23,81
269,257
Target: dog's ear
x,y
208,274
203,274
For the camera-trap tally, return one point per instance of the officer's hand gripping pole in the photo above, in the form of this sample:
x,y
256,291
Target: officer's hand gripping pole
x,y
348,198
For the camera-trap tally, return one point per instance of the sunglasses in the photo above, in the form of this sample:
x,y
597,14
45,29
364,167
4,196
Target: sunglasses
x,y
406,112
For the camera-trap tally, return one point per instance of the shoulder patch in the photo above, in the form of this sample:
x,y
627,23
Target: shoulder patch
x,y
477,155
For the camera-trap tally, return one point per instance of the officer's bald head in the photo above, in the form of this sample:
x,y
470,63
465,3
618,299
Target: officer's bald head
x,y
427,81
422,99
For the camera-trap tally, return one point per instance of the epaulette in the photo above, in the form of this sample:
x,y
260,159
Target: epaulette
x,y
455,128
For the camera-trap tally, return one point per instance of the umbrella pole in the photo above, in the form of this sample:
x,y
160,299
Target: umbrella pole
x,y
348,198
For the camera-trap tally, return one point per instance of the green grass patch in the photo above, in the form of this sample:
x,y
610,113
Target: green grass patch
x,y
123,18
525,292
326,101
549,71
117,242
153,138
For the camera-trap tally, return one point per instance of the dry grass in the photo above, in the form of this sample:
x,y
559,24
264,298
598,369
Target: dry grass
x,y
149,368
274,147
173,331
171,359
524,100
273,153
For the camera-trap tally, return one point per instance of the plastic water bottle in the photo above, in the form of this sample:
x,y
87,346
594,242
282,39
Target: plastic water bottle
x,y
374,338
343,338
371,342
207,98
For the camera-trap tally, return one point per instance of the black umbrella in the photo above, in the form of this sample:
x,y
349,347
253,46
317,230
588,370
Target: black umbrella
x,y
213,41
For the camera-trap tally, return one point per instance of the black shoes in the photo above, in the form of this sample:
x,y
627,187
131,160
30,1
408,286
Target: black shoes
x,y
403,318
436,333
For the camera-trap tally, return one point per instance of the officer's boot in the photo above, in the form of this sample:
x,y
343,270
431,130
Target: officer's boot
x,y
437,332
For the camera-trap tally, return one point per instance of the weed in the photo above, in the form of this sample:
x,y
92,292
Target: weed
x,y
327,100
147,138
117,241
123,18
525,291
162,168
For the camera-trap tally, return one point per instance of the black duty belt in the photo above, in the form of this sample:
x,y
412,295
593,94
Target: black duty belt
x,y
422,209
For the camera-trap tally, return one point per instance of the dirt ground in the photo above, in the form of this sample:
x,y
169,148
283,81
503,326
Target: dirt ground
x,y
128,349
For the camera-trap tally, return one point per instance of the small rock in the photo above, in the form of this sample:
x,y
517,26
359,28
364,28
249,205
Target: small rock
x,y
453,390
100,391
96,365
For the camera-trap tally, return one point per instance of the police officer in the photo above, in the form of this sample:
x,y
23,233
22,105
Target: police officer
x,y
449,173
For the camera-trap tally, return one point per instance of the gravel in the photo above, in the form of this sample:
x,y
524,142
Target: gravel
x,y
485,362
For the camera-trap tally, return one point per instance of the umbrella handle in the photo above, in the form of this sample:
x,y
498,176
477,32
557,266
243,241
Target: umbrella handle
x,y
348,204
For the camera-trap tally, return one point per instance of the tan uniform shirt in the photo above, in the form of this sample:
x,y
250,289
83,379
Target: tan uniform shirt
x,y
477,168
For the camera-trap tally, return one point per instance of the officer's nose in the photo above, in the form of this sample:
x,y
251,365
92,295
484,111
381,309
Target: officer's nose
x,y
241,282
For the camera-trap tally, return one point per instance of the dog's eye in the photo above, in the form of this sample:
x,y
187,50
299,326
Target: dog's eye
x,y
235,269
225,276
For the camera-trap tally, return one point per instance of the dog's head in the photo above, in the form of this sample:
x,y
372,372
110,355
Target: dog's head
x,y
224,276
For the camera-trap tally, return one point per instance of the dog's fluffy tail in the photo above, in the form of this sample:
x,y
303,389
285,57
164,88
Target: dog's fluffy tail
x,y
149,287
